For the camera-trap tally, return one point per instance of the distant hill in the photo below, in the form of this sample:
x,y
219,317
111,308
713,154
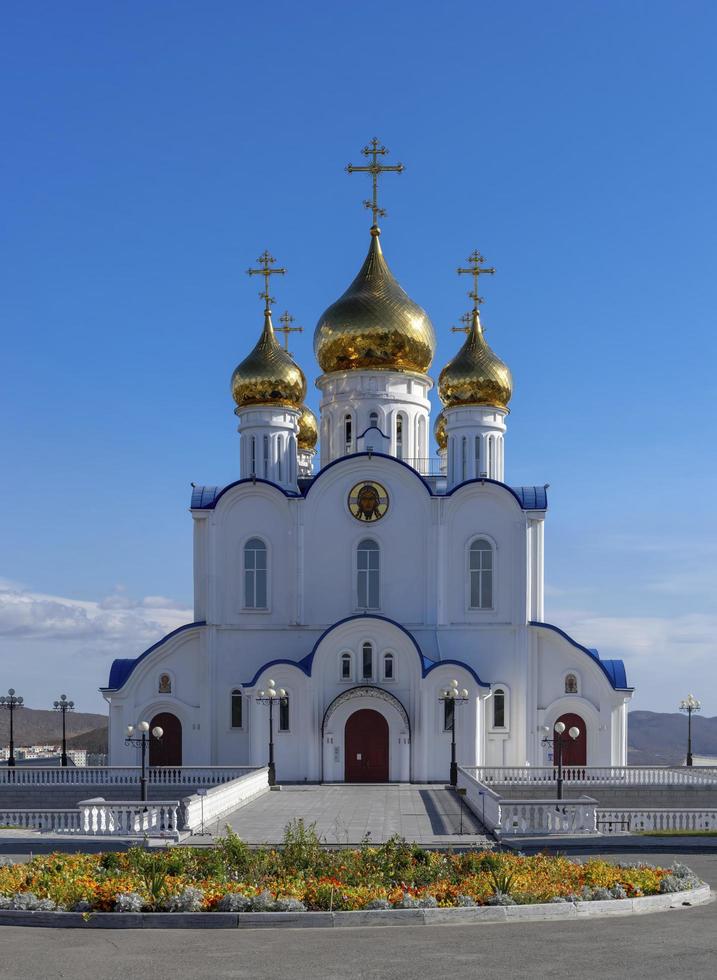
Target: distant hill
x,y
656,739
94,741
35,726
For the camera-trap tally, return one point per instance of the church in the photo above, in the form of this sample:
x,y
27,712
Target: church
x,y
357,602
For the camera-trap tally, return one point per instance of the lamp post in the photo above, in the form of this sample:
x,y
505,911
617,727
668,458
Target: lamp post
x,y
689,704
454,696
64,706
559,740
269,697
12,703
141,740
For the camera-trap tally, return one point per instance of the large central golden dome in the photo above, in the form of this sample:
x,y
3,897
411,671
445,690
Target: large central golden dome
x,y
375,325
269,375
476,375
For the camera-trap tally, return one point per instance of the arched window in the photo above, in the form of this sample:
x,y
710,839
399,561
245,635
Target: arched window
x,y
279,454
237,709
266,456
399,436
253,455
346,672
490,456
499,708
292,459
373,419
481,574
348,435
255,574
449,714
284,717
367,662
571,684
464,458
477,455
388,667
368,559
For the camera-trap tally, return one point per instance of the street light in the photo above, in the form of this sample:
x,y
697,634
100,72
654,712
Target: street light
x,y
689,704
559,740
454,696
11,702
269,697
64,706
141,740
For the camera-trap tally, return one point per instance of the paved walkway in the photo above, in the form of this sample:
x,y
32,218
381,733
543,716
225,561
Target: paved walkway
x,y
347,814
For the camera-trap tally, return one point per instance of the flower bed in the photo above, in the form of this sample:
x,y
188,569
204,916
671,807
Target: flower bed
x,y
301,875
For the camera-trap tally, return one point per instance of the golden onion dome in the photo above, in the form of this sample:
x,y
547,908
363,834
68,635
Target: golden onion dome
x,y
269,375
374,325
308,429
475,376
439,431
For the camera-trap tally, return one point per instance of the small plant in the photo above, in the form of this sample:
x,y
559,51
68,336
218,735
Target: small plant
x,y
129,902
189,900
29,902
289,905
301,847
233,851
501,898
378,903
233,902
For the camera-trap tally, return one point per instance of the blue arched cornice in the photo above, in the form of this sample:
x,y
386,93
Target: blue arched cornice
x,y
371,455
307,663
614,670
207,498
121,669
528,498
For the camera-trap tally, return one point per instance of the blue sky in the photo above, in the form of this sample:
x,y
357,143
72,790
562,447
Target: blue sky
x,y
153,150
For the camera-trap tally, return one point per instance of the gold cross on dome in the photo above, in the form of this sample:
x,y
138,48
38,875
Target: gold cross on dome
x,y
287,319
266,260
374,150
475,261
466,319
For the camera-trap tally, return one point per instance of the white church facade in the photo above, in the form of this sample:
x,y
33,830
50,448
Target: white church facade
x,y
370,581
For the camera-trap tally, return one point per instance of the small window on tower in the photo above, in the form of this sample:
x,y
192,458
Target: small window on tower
x,y
499,708
388,667
237,709
399,437
373,419
449,714
348,434
345,666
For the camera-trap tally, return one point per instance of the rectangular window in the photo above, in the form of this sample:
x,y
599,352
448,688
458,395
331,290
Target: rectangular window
x,y
388,667
346,668
255,578
368,560
237,710
481,570
449,712
367,667
284,715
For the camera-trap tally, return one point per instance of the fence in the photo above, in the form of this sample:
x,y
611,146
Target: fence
x,y
631,820
121,775
597,775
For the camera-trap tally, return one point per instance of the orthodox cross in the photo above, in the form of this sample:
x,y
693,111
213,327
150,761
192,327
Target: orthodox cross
x,y
467,319
266,260
374,150
475,261
287,319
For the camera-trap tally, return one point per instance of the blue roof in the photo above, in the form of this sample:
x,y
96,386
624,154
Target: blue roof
x,y
529,498
614,670
121,669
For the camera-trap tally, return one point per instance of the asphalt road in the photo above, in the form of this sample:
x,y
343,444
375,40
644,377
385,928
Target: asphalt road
x,y
679,943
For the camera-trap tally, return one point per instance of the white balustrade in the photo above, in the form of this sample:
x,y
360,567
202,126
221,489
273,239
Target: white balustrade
x,y
547,816
120,775
482,800
597,775
105,818
616,820
222,800
42,818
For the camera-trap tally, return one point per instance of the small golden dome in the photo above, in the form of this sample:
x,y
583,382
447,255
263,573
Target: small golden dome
x,y
374,325
475,376
308,429
269,375
439,431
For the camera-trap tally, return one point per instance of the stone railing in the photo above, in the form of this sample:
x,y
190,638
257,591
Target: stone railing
x,y
617,820
547,816
121,775
99,818
201,810
597,775
41,818
108,818
481,799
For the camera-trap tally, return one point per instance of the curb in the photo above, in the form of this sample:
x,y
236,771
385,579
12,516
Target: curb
x,y
342,920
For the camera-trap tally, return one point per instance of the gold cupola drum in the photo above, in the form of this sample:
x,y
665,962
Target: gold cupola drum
x,y
475,388
308,429
269,388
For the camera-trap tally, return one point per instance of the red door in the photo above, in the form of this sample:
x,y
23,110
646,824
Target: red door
x,y
366,747
575,753
168,750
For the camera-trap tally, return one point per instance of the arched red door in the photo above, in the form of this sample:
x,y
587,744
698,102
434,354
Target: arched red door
x,y
575,752
168,750
366,747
